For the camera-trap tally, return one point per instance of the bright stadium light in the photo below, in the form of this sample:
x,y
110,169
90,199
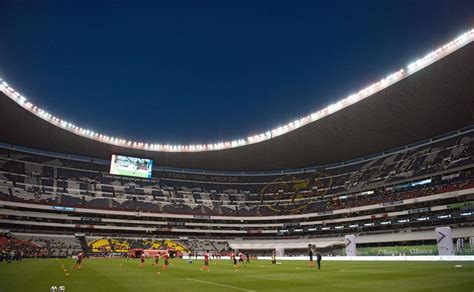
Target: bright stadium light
x,y
383,83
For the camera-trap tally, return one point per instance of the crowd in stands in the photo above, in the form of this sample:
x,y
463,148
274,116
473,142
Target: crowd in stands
x,y
14,249
37,247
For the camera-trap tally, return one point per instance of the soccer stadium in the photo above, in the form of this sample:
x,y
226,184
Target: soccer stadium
x,y
372,193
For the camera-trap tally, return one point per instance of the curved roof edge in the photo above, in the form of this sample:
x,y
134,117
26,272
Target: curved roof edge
x,y
422,143
391,79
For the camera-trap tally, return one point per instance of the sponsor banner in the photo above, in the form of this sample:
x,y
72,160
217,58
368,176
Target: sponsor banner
x,y
420,210
151,253
61,208
200,177
88,219
392,203
398,250
409,250
201,217
451,176
350,245
444,239
324,212
382,259
463,205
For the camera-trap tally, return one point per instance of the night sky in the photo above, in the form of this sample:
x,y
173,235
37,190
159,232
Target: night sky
x,y
206,71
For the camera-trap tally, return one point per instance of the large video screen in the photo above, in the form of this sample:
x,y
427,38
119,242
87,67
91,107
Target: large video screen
x,y
131,166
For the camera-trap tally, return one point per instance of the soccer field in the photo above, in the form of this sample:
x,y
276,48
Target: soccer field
x,y
126,172
127,275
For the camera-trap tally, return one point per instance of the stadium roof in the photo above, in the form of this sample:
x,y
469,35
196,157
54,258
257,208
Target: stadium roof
x,y
432,96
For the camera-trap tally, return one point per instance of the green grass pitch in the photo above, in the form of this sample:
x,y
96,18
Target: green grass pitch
x,y
126,172
127,275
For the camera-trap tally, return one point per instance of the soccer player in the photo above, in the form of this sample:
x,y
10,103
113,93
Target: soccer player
x,y
310,253
233,258
142,259
318,259
167,257
206,261
78,264
241,257
274,261
247,258
157,260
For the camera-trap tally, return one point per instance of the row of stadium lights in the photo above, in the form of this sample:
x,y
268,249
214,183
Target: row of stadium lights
x,y
383,83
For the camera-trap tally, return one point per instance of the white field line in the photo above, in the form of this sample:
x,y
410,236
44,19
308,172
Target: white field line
x,y
222,285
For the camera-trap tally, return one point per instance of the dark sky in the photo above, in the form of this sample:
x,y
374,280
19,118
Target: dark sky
x,y
206,71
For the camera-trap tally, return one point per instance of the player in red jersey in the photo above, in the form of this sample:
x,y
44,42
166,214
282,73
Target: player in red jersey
x,y
206,261
157,260
241,260
241,257
142,259
78,264
310,253
167,257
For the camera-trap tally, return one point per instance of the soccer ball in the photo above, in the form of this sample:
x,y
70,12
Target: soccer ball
x,y
62,289
53,289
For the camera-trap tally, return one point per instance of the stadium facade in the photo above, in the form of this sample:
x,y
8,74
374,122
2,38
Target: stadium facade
x,y
389,164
